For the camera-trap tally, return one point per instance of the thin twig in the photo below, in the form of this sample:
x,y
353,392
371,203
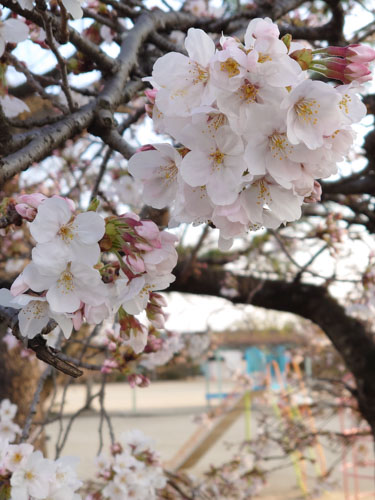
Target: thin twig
x,y
101,173
34,83
61,62
33,407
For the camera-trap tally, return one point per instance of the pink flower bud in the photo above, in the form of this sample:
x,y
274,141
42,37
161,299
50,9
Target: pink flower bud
x,y
112,346
353,72
136,264
148,230
109,365
154,344
146,147
106,474
158,300
151,95
33,200
116,448
228,41
353,53
143,246
132,215
137,380
25,211
357,72
157,320
315,195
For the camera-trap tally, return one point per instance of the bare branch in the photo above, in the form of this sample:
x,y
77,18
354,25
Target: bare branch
x,y
47,139
38,343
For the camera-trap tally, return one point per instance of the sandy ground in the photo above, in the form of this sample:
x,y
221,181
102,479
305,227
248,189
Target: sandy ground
x,y
166,411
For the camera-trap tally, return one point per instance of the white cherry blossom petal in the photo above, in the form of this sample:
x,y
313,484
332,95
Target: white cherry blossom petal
x,y
14,30
90,227
53,213
33,318
199,46
74,8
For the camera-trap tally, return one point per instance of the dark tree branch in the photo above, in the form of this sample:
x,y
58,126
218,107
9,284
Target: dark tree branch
x,y
42,144
91,51
38,344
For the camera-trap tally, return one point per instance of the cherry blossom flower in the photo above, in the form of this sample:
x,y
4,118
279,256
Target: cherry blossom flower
x,y
32,477
137,338
7,410
29,473
312,113
170,346
260,28
9,430
65,474
269,151
17,455
67,283
160,261
183,82
158,169
78,236
34,314
218,163
230,65
350,105
134,295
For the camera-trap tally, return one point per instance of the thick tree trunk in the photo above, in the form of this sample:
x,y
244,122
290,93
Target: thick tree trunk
x,y
348,335
18,381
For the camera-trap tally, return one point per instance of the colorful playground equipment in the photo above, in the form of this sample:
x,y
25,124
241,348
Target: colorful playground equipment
x,y
267,372
270,373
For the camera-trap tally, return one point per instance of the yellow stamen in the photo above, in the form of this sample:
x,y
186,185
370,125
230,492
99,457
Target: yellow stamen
x,y
66,281
230,66
344,103
307,109
262,58
248,92
169,172
218,157
280,146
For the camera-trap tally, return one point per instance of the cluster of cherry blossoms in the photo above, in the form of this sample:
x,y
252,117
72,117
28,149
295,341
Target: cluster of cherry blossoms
x,y
253,132
133,348
8,429
87,267
26,474
132,471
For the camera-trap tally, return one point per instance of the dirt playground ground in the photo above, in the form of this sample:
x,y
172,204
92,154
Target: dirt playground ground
x,y
166,411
